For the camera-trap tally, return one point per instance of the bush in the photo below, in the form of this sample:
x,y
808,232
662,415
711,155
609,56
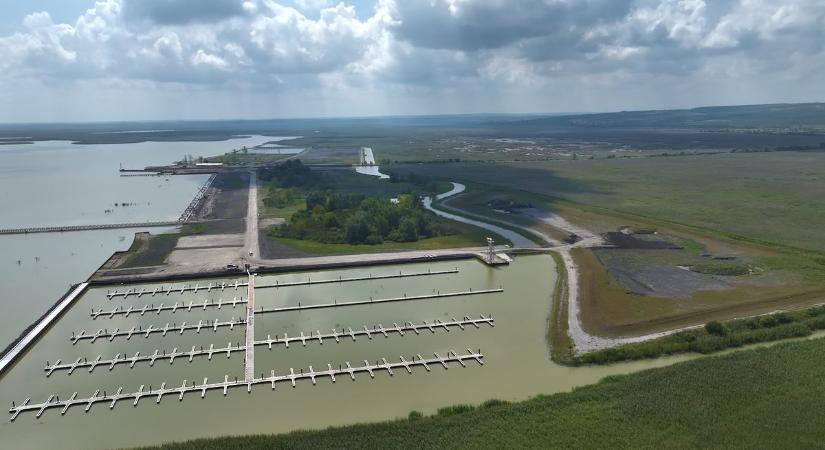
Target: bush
x,y
493,403
716,336
715,328
455,409
415,415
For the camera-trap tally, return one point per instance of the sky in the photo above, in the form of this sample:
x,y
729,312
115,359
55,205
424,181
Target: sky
x,y
113,60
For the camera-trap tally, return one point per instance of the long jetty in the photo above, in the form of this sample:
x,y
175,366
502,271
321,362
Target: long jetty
x,y
337,304
195,204
249,356
317,337
32,335
53,401
167,290
103,226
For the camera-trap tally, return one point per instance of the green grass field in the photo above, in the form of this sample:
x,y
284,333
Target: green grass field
x,y
774,197
762,398
762,207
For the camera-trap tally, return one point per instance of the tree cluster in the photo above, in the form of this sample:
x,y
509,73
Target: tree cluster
x,y
332,217
292,173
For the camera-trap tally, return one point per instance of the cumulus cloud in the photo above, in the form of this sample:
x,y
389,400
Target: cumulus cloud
x,y
413,46
177,12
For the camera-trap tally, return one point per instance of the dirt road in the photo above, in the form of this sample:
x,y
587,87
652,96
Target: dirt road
x,y
251,248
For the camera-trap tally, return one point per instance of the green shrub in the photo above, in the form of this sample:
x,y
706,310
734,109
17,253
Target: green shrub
x,y
493,403
715,328
455,409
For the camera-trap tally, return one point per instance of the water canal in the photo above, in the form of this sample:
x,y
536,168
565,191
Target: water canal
x,y
515,352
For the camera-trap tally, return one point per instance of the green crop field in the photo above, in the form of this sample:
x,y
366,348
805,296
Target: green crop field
x,y
762,398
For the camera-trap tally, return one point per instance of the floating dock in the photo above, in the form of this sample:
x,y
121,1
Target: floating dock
x,y
317,337
151,329
54,401
215,324
157,309
238,284
249,354
336,304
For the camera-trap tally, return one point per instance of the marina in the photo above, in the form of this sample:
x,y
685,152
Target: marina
x,y
298,338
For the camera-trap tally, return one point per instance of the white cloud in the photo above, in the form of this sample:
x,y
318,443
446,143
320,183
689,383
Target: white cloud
x,y
431,49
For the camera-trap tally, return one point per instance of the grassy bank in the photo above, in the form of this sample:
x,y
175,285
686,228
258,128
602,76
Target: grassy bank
x,y
446,206
561,346
716,336
762,398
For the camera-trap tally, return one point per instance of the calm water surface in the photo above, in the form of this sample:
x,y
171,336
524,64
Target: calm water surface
x,y
59,183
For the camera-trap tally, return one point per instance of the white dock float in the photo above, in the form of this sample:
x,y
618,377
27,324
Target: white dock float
x,y
54,401
336,335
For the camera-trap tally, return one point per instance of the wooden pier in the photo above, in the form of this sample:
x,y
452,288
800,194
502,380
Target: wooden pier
x,y
152,308
239,284
53,401
312,337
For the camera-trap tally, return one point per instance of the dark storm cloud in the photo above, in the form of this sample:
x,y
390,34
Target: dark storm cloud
x,y
177,12
469,26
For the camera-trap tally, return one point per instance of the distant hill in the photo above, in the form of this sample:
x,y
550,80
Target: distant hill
x,y
802,116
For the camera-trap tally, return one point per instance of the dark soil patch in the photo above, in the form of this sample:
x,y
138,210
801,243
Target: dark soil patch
x,y
232,196
153,252
622,240
273,250
225,226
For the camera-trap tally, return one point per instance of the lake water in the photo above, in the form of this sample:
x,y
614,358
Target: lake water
x,y
59,183
517,364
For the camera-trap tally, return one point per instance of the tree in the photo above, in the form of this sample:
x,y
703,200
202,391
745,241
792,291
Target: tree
x,y
407,230
358,228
